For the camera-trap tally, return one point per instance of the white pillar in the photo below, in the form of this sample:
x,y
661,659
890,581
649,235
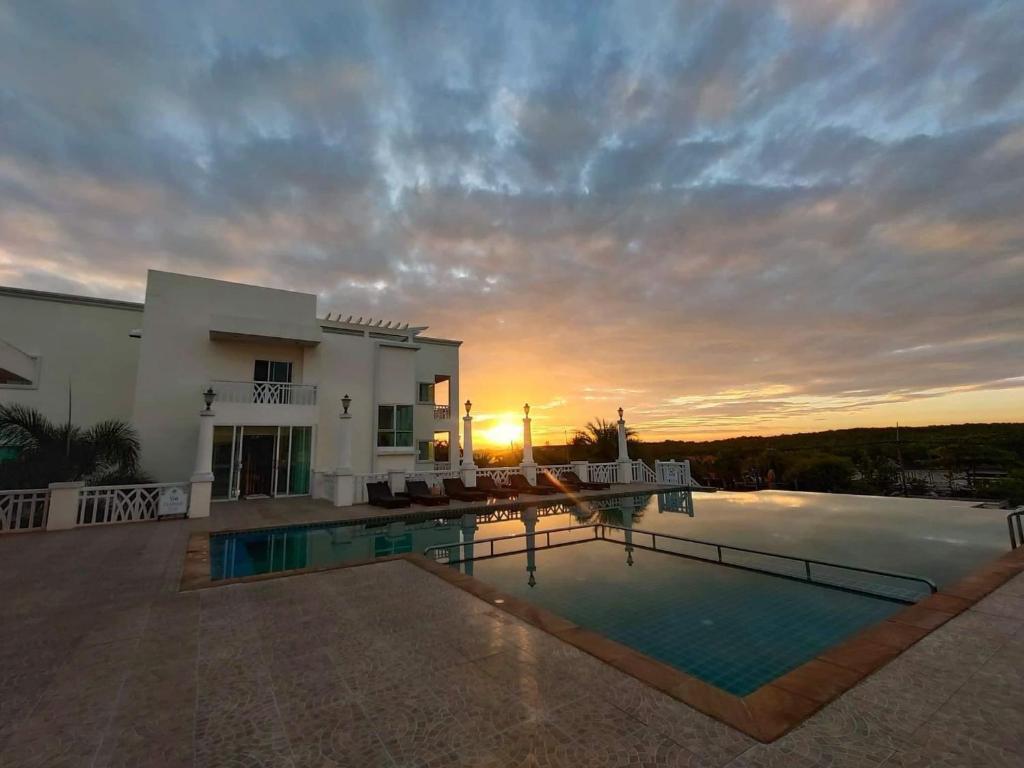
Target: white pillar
x,y
204,446
468,471
625,468
63,512
344,480
467,439
582,470
202,476
528,465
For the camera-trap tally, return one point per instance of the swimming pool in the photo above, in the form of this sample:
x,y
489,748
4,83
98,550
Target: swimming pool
x,y
732,628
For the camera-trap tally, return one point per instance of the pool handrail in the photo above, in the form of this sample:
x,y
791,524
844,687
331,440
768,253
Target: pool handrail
x,y
807,561
599,530
1015,522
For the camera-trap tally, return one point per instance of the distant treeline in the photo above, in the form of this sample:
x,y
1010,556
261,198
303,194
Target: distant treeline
x,y
985,460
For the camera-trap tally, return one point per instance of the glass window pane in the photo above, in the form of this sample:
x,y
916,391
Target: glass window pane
x,y
386,439
404,417
302,449
385,417
260,370
403,439
425,450
426,394
281,372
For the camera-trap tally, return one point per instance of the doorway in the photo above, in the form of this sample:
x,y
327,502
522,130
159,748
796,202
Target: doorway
x,y
257,465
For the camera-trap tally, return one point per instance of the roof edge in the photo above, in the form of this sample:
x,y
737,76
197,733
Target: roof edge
x,y
68,298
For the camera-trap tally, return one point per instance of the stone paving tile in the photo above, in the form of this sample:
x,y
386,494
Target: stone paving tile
x,y
338,735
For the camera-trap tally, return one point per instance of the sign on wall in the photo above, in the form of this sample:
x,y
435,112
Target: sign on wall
x,y
173,501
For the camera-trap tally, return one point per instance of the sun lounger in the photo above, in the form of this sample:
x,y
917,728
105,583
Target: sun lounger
x,y
379,495
419,493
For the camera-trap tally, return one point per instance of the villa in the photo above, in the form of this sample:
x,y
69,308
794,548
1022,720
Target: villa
x,y
276,371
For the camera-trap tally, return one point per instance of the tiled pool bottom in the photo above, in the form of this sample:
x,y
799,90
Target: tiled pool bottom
x,y
733,629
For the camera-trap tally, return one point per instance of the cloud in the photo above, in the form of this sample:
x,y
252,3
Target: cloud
x,y
646,204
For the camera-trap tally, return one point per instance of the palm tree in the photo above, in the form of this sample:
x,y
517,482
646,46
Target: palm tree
x,y
599,439
106,453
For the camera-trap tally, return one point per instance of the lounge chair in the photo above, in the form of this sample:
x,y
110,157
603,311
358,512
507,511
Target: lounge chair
x,y
380,495
491,488
419,493
456,489
521,484
572,477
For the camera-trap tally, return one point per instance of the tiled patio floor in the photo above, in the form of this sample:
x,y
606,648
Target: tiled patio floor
x,y
103,663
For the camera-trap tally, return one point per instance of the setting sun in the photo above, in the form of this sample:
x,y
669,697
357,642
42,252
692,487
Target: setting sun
x,y
502,433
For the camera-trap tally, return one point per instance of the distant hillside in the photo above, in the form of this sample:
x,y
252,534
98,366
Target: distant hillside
x,y
964,459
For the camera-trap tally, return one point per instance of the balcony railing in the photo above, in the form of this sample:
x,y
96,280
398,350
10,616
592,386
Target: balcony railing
x,y
442,412
264,392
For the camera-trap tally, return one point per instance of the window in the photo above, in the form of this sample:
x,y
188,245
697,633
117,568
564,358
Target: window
x,y
426,393
425,450
272,370
394,426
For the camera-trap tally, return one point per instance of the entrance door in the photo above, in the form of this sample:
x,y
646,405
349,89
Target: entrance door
x,y
257,465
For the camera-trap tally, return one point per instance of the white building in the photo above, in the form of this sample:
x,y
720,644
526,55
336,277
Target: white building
x,y
278,369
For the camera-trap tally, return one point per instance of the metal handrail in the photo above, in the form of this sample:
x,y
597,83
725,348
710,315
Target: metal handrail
x,y
1015,522
599,533
806,561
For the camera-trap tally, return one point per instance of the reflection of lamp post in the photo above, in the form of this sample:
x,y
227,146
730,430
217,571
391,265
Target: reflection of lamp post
x,y
529,518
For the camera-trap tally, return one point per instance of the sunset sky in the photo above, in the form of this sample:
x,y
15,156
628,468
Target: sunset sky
x,y
727,217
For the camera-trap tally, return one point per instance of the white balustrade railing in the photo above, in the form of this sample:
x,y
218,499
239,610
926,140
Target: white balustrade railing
x,y
23,509
434,478
264,392
442,412
362,480
607,472
555,470
500,475
642,473
100,505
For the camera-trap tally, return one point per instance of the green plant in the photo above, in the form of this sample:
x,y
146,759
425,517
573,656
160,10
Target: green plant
x,y
599,440
105,453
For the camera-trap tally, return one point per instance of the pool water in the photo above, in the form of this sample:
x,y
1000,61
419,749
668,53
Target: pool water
x,y
731,628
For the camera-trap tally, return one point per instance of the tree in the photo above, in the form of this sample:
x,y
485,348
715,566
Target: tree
x,y
821,472
106,453
599,440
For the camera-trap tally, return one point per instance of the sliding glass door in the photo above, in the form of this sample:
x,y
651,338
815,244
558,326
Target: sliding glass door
x,y
258,462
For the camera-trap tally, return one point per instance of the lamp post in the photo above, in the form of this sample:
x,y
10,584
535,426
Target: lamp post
x,y
468,466
202,477
528,466
625,465
344,481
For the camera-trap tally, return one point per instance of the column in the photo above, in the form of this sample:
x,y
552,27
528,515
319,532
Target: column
x,y
63,512
396,479
625,468
582,470
202,477
344,480
468,466
528,465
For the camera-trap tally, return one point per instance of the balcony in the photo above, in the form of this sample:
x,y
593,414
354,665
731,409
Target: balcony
x,y
442,412
264,393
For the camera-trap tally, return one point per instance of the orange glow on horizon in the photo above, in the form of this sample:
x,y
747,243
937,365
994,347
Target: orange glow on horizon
x,y
501,433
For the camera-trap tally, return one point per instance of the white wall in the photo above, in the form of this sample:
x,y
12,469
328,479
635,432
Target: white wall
x,y
178,358
84,343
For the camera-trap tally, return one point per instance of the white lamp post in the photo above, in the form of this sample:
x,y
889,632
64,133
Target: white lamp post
x,y
344,480
468,467
202,477
528,466
625,468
